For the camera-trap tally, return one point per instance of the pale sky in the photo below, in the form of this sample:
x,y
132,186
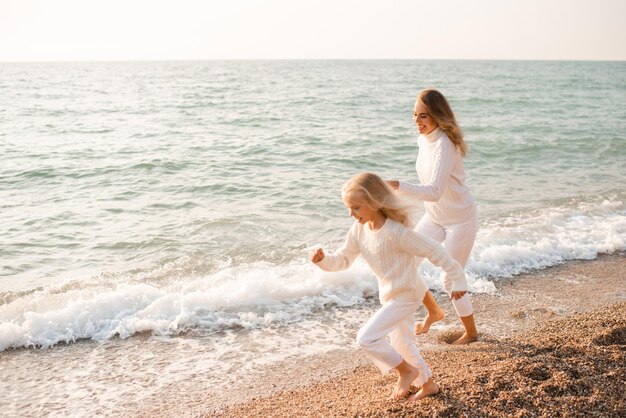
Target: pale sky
x,y
87,30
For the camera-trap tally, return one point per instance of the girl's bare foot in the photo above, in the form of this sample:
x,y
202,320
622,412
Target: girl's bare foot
x,y
466,339
430,319
429,388
407,374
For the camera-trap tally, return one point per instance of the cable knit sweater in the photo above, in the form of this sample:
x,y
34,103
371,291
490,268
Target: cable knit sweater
x,y
394,252
440,170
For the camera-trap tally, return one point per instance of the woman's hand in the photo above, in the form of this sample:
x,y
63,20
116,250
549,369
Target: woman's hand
x,y
394,184
457,295
317,255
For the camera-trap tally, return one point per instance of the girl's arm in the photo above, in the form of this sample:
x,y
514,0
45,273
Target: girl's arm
x,y
344,256
422,246
442,167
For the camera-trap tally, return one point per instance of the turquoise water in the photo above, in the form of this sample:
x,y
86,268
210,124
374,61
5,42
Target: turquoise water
x,y
109,168
176,203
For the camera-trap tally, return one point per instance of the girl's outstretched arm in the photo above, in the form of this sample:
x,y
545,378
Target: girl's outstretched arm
x,y
344,256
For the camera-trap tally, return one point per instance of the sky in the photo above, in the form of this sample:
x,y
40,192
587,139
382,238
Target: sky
x,y
89,30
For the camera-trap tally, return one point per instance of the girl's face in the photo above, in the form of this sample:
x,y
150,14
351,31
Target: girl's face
x,y
424,122
359,209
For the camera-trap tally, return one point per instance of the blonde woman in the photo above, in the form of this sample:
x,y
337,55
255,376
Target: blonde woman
x,y
450,215
393,252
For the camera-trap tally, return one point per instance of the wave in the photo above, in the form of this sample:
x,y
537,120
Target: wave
x,y
258,295
549,236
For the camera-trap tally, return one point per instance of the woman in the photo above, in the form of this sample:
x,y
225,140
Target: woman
x,y
451,215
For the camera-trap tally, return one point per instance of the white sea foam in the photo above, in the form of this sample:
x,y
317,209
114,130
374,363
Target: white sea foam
x,y
550,236
250,297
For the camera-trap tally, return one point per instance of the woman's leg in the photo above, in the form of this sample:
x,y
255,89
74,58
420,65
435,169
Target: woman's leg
x,y
430,229
459,242
434,314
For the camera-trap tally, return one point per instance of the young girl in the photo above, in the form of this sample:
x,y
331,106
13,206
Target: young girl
x,y
450,208
393,252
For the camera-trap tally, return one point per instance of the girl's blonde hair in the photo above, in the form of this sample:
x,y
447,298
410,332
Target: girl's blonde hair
x,y
371,189
439,109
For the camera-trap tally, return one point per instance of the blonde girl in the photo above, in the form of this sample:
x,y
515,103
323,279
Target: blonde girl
x,y
451,215
393,251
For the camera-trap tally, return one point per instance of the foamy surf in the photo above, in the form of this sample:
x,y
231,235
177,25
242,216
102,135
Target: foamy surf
x,y
248,297
549,236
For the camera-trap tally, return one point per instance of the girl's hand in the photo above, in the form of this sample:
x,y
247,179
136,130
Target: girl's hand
x,y
394,184
457,295
317,255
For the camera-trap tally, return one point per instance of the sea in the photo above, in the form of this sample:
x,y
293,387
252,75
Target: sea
x,y
156,217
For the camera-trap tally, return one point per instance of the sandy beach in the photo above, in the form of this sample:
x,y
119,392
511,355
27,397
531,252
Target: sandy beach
x,y
556,346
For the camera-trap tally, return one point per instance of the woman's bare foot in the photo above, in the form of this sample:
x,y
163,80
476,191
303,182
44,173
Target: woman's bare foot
x,y
429,388
407,374
470,334
435,313
466,339
430,319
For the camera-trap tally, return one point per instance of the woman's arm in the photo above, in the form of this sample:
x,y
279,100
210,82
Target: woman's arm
x,y
442,168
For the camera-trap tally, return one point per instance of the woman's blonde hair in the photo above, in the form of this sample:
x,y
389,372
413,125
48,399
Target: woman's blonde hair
x,y
439,109
372,190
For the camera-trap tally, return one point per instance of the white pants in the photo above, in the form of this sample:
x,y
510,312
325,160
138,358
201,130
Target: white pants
x,y
394,319
458,241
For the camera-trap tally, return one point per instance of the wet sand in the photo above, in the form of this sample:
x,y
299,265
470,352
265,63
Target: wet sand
x,y
555,346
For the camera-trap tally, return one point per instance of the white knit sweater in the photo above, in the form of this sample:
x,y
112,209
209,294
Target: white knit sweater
x,y
394,252
440,170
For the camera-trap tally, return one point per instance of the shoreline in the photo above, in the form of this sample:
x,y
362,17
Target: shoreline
x,y
344,382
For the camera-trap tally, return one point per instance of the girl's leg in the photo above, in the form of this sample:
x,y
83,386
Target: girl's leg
x,y
402,339
459,242
429,388
430,229
371,338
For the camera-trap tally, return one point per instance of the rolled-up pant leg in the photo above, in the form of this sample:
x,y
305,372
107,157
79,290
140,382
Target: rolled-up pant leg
x,y
458,241
393,319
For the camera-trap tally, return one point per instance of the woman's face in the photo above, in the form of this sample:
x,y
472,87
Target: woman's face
x,y
424,122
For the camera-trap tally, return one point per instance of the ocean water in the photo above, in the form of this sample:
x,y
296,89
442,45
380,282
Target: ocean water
x,y
169,207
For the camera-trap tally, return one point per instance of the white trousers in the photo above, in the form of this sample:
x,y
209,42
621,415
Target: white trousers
x,y
393,319
458,240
